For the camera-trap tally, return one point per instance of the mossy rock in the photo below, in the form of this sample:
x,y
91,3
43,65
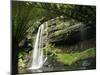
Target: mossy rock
x,y
70,58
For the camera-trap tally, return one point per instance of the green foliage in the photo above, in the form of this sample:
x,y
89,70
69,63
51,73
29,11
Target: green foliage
x,y
27,16
24,61
49,49
70,58
23,18
85,14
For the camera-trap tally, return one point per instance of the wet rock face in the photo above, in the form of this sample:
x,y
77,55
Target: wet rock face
x,y
67,33
71,34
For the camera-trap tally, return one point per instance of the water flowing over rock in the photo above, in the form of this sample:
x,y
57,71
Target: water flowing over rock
x,y
38,57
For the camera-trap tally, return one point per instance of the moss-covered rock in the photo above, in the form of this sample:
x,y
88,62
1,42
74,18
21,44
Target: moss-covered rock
x,y
70,58
69,31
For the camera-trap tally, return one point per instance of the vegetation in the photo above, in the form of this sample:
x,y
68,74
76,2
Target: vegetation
x,y
70,58
69,37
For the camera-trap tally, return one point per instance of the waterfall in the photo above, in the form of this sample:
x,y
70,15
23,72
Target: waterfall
x,y
38,57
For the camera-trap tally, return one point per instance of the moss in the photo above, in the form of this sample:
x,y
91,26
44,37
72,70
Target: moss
x,y
70,58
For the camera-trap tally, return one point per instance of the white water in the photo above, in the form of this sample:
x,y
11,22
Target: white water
x,y
38,57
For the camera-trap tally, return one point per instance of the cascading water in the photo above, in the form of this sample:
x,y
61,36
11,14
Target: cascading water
x,y
38,57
